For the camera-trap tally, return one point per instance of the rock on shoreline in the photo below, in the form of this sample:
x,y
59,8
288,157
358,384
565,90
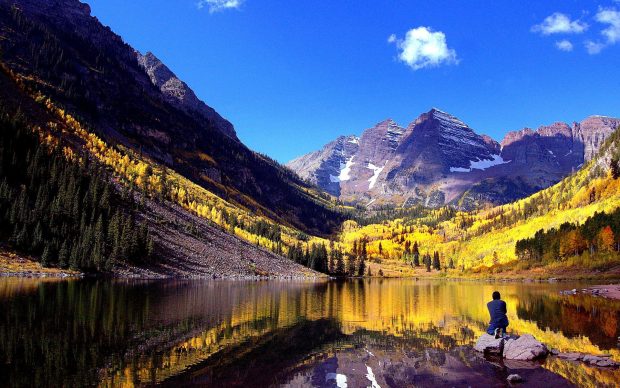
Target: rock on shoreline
x,y
611,291
524,348
527,348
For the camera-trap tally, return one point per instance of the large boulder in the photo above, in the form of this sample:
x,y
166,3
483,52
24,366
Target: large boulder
x,y
524,348
487,341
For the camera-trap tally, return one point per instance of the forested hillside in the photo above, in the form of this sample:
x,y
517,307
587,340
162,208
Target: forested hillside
x,y
169,203
67,212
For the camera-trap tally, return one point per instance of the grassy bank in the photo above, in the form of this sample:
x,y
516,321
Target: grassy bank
x,y
12,264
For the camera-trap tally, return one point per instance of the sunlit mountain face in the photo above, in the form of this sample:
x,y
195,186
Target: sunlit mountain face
x,y
271,333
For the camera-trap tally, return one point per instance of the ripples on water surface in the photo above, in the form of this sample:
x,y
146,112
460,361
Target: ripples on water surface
x,y
272,333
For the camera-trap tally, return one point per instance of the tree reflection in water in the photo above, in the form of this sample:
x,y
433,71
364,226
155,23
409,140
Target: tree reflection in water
x,y
90,332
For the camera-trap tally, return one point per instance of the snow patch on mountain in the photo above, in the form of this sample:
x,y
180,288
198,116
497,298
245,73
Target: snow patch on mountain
x,y
340,379
371,377
481,164
345,170
375,175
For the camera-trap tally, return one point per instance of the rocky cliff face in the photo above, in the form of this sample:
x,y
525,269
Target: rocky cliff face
x,y
560,143
330,166
438,159
179,94
593,131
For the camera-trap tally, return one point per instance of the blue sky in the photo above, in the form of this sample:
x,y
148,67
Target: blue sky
x,y
293,75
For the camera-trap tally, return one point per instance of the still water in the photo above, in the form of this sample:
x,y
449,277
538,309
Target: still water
x,y
388,333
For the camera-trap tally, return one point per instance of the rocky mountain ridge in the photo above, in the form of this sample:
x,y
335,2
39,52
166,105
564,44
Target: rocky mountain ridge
x,y
437,159
180,94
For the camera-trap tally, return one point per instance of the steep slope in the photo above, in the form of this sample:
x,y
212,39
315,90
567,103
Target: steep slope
x,y
62,52
51,220
330,165
436,145
439,160
179,94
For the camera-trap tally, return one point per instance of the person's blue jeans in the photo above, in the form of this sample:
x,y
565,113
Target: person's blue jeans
x,y
499,324
491,329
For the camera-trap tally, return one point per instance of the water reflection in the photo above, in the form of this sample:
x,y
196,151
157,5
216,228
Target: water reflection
x,y
87,332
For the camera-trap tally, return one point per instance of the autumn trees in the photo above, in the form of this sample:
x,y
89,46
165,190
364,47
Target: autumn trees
x,y
64,212
598,234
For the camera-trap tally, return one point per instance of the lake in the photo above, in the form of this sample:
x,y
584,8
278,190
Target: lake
x,y
373,332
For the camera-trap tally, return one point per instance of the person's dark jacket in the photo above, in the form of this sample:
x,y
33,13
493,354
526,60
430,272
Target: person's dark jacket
x,y
497,309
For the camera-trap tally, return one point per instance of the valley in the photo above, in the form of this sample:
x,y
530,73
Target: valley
x,y
358,207
164,220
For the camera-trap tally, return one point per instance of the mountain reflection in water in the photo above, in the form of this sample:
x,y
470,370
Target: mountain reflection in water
x,y
386,332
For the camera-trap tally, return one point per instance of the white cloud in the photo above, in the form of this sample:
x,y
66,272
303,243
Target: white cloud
x,y
423,47
219,5
594,48
564,45
612,18
559,23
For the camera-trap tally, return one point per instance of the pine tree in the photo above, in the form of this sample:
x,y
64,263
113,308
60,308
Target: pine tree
x,y
614,168
98,252
362,266
63,255
340,263
46,257
351,264
416,254
332,257
436,263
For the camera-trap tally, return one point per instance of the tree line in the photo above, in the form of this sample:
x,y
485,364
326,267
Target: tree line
x,y
335,262
598,234
64,212
413,256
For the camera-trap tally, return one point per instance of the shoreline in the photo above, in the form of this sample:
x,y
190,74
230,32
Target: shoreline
x,y
606,291
18,266
612,289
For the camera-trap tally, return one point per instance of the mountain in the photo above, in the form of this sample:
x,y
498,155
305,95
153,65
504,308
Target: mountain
x,y
179,94
185,193
571,229
330,165
58,50
437,159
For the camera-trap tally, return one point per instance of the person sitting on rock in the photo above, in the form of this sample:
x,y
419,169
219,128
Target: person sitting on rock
x,y
499,320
